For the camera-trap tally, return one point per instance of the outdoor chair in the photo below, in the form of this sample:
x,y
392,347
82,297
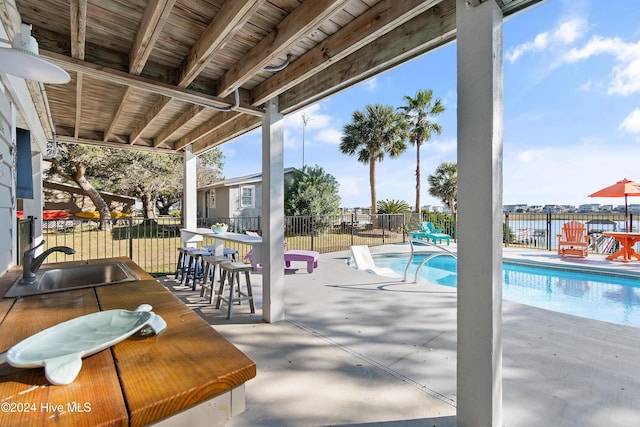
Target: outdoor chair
x,y
574,240
364,261
437,235
429,232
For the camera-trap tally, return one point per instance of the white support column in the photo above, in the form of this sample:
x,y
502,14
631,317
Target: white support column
x,y
189,201
480,134
33,207
272,213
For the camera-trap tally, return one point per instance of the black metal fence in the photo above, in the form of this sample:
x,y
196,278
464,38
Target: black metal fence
x,y
541,230
153,244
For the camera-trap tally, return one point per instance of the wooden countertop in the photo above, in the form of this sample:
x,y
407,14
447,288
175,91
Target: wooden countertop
x,y
135,382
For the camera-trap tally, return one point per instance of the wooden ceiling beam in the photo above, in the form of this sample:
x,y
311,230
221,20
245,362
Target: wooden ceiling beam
x,y
156,14
297,24
78,27
225,24
221,29
149,116
431,29
191,113
241,125
379,20
211,125
78,21
114,120
99,142
149,85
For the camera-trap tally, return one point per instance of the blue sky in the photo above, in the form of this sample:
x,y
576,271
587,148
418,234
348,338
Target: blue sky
x,y
571,112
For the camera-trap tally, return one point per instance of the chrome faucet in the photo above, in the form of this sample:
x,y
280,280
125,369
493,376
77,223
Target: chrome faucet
x,y
31,265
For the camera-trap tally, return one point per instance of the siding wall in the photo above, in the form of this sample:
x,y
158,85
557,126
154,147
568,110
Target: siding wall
x,y
7,182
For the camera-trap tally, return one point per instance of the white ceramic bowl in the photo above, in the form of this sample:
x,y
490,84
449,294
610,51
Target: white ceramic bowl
x,y
219,230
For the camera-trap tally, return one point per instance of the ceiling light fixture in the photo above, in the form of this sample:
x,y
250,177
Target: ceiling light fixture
x,y
22,60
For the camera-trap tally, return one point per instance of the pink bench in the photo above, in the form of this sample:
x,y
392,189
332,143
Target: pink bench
x,y
310,257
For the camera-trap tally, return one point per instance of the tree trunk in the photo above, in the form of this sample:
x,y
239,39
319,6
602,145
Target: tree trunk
x,y
96,198
148,205
418,142
372,183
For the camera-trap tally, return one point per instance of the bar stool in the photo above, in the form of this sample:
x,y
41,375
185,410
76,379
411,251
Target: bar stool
x,y
232,254
181,265
210,263
232,270
194,266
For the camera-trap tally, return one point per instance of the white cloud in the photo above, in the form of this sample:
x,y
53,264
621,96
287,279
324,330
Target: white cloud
x,y
442,147
631,123
566,33
328,136
316,121
354,190
570,31
586,86
371,85
625,74
529,156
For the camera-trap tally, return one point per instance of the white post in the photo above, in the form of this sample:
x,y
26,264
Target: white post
x,y
480,134
272,213
33,207
190,191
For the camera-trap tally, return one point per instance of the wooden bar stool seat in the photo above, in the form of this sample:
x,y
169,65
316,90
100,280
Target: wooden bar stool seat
x,y
232,270
210,264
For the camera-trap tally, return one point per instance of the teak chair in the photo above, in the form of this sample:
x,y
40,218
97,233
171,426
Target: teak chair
x,y
574,240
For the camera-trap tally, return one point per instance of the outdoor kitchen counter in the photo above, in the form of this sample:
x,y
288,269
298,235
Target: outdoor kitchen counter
x,y
136,382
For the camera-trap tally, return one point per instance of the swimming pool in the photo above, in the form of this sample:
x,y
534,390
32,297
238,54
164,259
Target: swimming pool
x,y
608,297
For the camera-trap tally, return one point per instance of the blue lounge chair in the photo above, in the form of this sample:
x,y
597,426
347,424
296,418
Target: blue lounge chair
x,y
430,233
436,234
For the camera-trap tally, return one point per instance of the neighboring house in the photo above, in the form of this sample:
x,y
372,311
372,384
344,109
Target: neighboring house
x,y
71,198
235,197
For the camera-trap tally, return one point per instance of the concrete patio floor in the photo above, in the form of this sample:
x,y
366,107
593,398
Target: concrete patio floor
x,y
361,350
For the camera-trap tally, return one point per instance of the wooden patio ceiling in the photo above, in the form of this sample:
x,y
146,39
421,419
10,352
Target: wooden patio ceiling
x,y
163,74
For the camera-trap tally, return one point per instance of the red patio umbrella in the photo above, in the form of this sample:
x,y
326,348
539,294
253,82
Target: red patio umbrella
x,y
623,188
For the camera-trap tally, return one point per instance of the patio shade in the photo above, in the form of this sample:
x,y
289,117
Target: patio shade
x,y
623,188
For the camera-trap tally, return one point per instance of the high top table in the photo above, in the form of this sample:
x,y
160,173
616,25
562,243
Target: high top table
x,y
627,242
194,235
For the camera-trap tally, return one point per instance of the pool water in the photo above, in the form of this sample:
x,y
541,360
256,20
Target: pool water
x,y
605,297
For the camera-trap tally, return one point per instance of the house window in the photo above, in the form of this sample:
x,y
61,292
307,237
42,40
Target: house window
x,y
247,196
212,198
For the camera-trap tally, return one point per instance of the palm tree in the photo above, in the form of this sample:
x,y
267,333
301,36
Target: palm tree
x,y
417,113
444,184
393,207
372,133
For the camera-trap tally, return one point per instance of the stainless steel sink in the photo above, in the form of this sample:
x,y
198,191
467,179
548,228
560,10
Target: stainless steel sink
x,y
74,277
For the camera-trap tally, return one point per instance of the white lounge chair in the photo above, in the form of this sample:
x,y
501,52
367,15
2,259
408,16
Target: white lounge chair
x,y
363,260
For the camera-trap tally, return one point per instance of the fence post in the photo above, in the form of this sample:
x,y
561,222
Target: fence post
x,y
506,231
312,230
548,231
404,227
131,237
353,221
